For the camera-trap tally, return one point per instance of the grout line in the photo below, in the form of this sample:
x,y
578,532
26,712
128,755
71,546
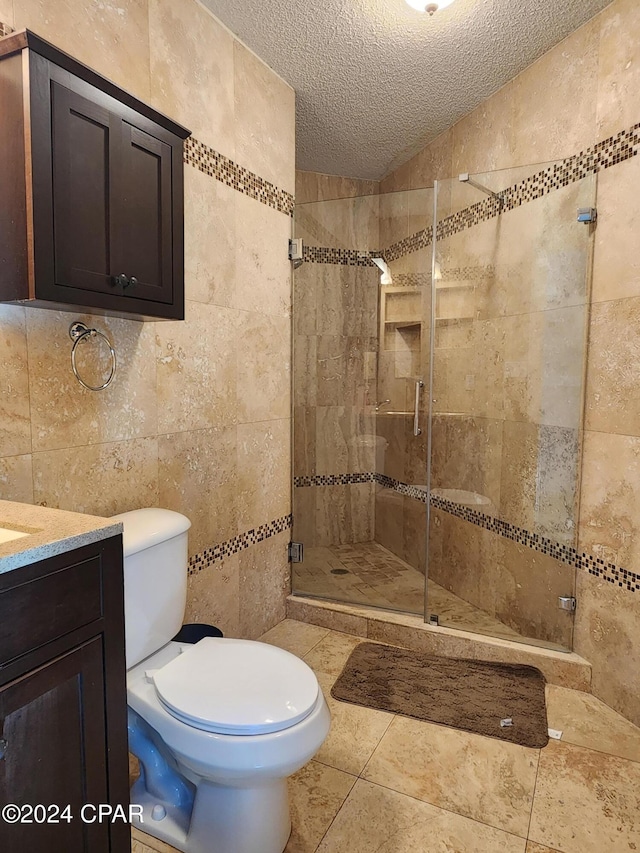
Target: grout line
x,y
533,797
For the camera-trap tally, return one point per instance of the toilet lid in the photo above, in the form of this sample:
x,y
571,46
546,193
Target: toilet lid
x,y
237,687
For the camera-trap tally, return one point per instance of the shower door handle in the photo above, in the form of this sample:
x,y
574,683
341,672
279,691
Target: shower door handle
x,y
416,411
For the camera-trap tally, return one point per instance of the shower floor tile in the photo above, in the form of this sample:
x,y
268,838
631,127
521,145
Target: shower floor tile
x,y
370,575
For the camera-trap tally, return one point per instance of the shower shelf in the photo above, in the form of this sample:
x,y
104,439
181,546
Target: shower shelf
x,y
404,324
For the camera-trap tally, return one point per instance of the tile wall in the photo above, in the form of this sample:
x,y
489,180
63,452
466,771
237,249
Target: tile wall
x,y
198,419
583,91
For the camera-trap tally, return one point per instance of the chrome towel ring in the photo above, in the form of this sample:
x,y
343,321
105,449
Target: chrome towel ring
x,y
79,332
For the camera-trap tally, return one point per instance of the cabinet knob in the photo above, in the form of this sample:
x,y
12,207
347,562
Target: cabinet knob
x,y
121,280
3,748
132,281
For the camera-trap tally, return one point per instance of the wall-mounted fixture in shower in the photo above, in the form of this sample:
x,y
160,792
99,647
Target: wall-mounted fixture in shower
x,y
385,276
465,178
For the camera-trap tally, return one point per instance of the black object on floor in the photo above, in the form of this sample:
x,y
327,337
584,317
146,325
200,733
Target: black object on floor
x,y
195,631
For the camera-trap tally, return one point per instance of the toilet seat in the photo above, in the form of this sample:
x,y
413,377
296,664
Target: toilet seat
x,y
236,687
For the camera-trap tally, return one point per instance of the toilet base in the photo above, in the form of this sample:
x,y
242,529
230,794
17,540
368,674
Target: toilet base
x,y
224,819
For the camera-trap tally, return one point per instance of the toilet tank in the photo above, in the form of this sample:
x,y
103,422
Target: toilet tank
x,y
155,578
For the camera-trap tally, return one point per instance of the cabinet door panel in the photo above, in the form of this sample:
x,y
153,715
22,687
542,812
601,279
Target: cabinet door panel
x,y
82,144
142,198
52,721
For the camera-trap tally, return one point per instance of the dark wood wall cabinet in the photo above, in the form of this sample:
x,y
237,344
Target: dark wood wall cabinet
x,y
63,719
91,179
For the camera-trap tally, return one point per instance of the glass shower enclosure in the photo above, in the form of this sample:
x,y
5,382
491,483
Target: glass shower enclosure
x,y
439,356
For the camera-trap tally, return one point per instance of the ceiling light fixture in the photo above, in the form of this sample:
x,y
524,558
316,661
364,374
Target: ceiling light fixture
x,y
428,6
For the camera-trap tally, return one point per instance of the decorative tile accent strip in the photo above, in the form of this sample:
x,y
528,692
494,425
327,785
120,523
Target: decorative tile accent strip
x,y
609,572
5,30
209,556
346,257
413,243
223,169
334,479
564,553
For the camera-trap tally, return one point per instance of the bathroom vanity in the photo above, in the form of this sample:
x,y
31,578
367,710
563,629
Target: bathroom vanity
x,y
63,729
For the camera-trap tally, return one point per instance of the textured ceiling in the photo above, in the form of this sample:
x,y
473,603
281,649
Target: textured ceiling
x,y
375,80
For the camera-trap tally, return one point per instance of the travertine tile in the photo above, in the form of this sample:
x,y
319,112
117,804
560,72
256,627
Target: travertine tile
x,y
616,265
314,186
99,479
16,479
482,141
209,264
614,349
532,847
192,58
197,476
344,514
347,300
488,780
606,634
585,801
15,430
610,497
264,468
586,721
264,120
543,128
263,268
345,440
316,794
326,617
196,369
375,818
331,654
111,38
265,582
296,637
355,731
618,74
63,413
213,596
264,367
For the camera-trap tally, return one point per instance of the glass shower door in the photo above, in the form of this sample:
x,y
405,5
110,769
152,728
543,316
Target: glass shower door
x,y
512,289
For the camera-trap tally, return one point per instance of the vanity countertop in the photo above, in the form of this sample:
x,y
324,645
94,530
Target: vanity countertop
x,y
50,532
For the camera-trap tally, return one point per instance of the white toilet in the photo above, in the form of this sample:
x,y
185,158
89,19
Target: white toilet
x,y
217,726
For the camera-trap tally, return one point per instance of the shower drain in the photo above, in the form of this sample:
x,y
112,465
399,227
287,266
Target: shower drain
x,y
339,572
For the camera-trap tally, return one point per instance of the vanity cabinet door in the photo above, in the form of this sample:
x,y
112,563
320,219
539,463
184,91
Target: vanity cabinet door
x,y
52,726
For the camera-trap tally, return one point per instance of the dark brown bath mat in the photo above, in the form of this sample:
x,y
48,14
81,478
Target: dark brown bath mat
x,y
500,700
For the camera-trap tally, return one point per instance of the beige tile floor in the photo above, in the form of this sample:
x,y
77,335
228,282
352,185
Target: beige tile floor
x,y
384,783
376,577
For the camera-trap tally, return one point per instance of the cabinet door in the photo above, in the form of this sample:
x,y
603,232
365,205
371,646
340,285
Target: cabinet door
x,y
84,136
53,729
142,203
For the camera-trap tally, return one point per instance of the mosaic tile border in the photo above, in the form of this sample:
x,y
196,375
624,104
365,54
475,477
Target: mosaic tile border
x,y
344,257
209,556
334,479
623,578
564,553
5,30
605,154
217,166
